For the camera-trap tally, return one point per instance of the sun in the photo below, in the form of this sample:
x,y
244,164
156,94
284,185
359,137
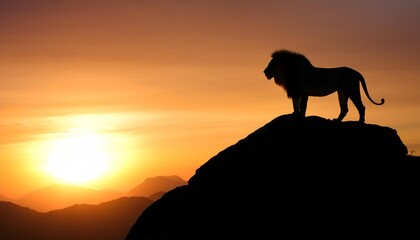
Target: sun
x,y
78,157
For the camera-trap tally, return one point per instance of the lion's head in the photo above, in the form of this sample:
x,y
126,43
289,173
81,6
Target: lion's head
x,y
273,67
285,67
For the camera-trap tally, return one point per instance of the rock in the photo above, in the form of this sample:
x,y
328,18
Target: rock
x,y
295,178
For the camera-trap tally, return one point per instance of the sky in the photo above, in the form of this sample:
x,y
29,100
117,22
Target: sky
x,y
142,88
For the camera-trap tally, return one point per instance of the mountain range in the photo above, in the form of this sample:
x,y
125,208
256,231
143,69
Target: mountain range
x,y
106,221
80,213
61,196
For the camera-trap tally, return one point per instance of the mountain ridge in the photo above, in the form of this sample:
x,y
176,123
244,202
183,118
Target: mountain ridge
x,y
106,221
77,219
59,196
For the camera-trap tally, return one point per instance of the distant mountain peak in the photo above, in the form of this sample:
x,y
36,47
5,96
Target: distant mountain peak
x,y
152,185
302,177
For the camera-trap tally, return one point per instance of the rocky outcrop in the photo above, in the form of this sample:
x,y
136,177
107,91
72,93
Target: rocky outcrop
x,y
296,178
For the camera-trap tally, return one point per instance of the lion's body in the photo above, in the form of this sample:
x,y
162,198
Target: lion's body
x,y
300,79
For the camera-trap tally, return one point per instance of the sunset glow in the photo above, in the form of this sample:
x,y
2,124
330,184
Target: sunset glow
x,y
79,157
105,94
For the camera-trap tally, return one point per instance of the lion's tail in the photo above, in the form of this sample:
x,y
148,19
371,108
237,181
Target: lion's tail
x,y
362,80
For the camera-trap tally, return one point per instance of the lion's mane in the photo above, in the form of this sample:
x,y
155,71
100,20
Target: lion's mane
x,y
292,64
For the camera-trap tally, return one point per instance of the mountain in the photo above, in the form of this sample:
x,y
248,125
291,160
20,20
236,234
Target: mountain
x,y
296,178
107,221
11,216
60,196
100,214
153,185
3,198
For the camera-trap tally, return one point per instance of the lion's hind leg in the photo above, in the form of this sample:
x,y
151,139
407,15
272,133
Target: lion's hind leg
x,y
357,101
342,99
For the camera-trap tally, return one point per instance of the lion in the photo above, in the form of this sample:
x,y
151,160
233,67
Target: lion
x,y
300,79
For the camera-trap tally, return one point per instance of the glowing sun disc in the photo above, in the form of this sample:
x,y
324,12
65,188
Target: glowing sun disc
x,y
78,158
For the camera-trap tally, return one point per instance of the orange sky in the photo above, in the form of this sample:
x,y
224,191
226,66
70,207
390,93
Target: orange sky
x,y
169,84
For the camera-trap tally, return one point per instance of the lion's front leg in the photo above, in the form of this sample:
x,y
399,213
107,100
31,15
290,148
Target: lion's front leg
x,y
296,106
303,105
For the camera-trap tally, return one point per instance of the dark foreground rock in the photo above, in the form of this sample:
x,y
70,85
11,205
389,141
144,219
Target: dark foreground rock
x,y
296,179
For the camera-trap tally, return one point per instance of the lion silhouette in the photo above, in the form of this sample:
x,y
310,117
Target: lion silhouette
x,y
300,79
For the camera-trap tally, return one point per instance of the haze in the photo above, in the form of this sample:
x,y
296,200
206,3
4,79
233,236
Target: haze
x,y
169,84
